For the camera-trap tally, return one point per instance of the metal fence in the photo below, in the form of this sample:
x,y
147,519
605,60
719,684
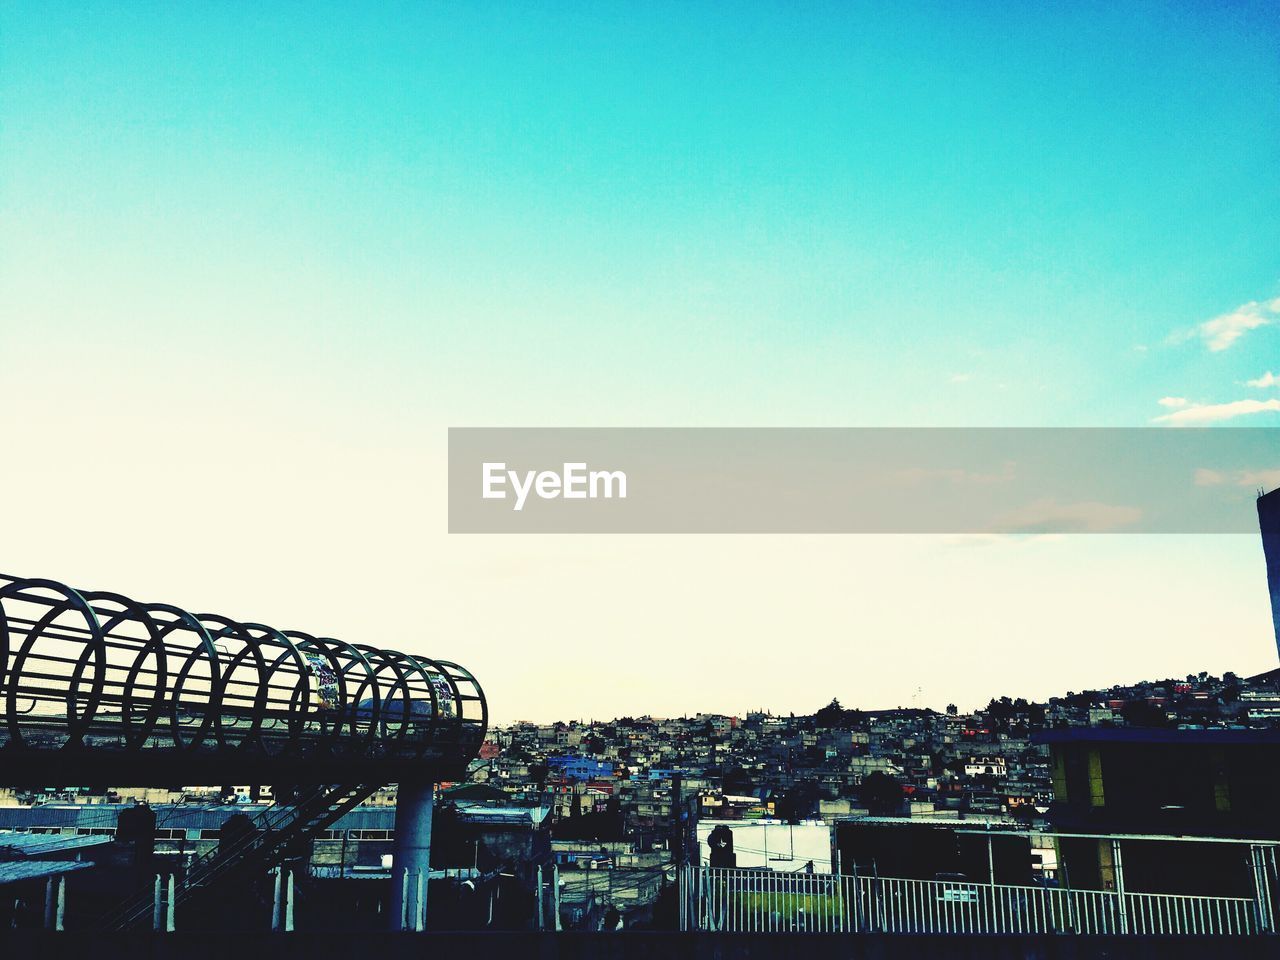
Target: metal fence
x,y
762,901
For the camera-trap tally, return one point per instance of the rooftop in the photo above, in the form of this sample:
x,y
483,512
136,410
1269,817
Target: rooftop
x,y
14,871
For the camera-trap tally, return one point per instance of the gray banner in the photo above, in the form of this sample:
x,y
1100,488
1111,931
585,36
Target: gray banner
x,y
958,481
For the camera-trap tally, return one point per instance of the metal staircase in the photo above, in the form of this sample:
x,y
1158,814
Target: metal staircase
x,y
276,831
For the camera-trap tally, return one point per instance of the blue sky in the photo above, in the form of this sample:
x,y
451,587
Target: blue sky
x,y
840,209
341,229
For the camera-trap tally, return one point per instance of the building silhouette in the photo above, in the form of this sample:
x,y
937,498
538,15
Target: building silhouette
x,y
1269,522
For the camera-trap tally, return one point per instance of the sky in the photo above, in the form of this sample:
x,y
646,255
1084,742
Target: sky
x,y
255,262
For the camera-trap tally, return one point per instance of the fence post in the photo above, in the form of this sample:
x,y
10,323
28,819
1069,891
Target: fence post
x,y
1261,891
419,901
1117,867
857,899
1073,913
1269,871
686,897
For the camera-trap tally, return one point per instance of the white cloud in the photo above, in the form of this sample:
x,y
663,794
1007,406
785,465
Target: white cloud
x,y
1173,403
1205,477
1050,516
1268,379
959,378
1270,479
1198,413
1221,332
1241,478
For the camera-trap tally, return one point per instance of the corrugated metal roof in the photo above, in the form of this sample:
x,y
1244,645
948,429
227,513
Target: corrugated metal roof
x,y
480,813
38,844
14,870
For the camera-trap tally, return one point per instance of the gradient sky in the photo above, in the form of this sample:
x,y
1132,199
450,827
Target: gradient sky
x,y
253,263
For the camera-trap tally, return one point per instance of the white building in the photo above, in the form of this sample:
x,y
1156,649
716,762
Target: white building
x,y
773,844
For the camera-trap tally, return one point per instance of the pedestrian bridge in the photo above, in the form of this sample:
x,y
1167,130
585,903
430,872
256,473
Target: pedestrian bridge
x,y
98,688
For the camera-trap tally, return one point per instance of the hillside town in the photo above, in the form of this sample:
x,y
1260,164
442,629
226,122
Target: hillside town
x,y
613,779
587,824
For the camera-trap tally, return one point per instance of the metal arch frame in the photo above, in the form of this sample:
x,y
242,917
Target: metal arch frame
x,y
331,648
183,620
477,696
72,600
110,677
153,647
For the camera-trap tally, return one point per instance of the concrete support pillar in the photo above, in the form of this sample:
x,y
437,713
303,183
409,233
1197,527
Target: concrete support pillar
x,y
157,910
50,901
277,900
411,854
282,902
555,894
170,920
542,912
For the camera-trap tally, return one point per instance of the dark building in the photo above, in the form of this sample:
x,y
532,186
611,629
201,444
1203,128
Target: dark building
x,y
920,849
1269,521
1114,785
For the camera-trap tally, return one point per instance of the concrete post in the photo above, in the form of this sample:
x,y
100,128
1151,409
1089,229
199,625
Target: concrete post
x,y
411,852
48,902
420,901
170,921
288,903
541,910
403,920
555,894
157,909
60,910
277,899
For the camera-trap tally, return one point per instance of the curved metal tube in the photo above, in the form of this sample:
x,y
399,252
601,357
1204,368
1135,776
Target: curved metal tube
x,y
98,672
